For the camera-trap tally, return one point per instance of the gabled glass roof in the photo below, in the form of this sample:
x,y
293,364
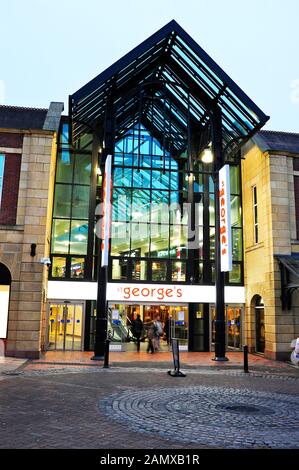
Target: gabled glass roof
x,y
170,77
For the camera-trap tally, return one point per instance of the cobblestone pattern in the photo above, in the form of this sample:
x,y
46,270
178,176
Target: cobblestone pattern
x,y
228,417
36,372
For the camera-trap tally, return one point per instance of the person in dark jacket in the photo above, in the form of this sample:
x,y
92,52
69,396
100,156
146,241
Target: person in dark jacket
x,y
137,328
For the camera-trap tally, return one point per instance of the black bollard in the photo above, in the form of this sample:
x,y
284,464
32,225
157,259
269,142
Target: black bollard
x,y
245,350
106,354
176,360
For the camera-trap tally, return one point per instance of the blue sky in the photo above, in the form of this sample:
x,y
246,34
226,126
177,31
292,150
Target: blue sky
x,y
49,49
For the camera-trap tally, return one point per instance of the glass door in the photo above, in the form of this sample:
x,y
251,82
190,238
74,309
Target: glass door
x,y
233,322
65,327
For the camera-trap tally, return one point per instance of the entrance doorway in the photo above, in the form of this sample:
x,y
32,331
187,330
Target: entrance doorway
x,y
174,319
65,326
233,321
259,324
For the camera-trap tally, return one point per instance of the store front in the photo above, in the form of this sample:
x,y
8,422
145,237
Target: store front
x,y
138,149
65,331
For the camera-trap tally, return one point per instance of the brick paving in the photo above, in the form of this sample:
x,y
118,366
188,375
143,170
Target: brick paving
x,y
60,406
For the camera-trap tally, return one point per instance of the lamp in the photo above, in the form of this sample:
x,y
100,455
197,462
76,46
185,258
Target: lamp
x,y
207,155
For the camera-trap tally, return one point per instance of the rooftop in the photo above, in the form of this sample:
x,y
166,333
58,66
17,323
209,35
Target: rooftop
x,y
18,117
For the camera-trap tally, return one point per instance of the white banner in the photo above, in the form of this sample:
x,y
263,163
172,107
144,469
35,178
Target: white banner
x,y
106,222
225,219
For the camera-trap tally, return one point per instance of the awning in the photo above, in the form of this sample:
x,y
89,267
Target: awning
x,y
289,270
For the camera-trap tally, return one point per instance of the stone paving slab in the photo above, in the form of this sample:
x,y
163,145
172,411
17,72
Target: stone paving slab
x,y
68,408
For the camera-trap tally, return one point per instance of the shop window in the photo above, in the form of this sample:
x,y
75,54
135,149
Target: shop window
x,y
178,271
159,271
139,270
77,268
120,269
58,266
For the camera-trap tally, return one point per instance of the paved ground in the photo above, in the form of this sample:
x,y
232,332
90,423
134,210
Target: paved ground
x,y
82,406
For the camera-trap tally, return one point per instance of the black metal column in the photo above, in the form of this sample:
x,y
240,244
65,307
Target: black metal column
x,y
220,276
101,305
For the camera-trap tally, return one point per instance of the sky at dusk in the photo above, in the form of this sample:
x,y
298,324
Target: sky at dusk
x,y
49,49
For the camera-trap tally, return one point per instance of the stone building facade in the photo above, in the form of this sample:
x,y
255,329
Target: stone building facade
x,y
270,241
28,153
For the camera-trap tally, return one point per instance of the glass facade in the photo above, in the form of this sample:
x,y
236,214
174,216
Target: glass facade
x,y
163,214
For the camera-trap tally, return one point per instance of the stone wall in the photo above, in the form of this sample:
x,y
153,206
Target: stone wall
x,y
27,300
273,177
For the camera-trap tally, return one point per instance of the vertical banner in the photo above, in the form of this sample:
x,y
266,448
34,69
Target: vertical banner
x,y
225,219
106,220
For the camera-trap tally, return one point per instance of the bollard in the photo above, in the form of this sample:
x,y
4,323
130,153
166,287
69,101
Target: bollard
x,y
176,360
106,355
245,349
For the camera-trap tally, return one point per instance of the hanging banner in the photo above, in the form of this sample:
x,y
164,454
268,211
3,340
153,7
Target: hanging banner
x,y
106,220
225,219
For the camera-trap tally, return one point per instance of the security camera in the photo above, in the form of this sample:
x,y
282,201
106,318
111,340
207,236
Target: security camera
x,y
45,261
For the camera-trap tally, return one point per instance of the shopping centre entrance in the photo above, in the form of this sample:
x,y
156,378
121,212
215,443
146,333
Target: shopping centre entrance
x,y
174,320
65,326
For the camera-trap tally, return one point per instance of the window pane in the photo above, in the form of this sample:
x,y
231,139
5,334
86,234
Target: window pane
x,y
159,207
121,210
236,215
199,272
159,240
178,241
120,238
140,205
120,269
142,179
212,242
122,177
140,239
58,266
160,180
60,236
80,205
212,209
237,244
178,271
174,180
79,233
62,201
77,267
139,270
234,179
64,170
159,271
235,276
82,169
